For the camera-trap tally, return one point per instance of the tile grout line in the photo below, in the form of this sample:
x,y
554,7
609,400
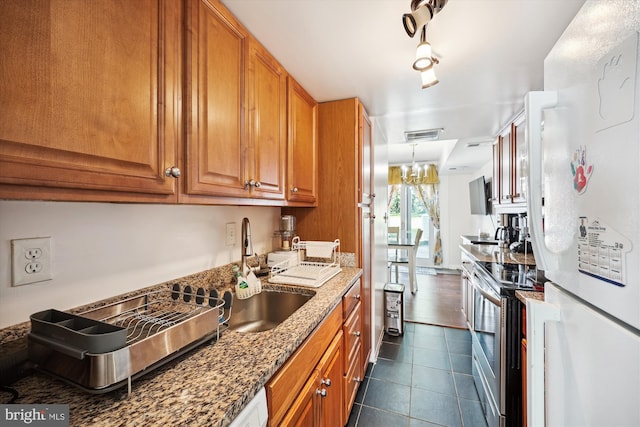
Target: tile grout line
x,y
453,378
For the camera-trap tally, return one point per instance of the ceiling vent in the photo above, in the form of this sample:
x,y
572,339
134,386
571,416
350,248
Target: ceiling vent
x,y
422,135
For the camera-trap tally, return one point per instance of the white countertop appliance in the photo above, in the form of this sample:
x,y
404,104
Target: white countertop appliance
x,y
583,191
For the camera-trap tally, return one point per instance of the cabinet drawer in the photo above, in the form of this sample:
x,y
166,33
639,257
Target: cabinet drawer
x,y
352,338
285,385
350,299
352,381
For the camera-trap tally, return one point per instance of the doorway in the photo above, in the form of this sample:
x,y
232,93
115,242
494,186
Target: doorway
x,y
409,214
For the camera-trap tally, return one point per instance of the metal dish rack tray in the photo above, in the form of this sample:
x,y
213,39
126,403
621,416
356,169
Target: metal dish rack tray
x,y
308,271
155,328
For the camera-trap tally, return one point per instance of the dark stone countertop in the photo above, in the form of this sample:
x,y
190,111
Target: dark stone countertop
x,y
493,253
209,385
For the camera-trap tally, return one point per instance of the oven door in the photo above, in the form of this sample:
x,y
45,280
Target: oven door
x,y
486,342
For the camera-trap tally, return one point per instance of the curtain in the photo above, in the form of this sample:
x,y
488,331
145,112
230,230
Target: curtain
x,y
428,192
395,180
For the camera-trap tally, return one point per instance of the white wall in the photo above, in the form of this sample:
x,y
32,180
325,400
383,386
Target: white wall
x,y
455,217
101,249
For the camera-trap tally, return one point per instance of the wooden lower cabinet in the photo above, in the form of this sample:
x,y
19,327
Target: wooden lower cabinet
x,y
317,386
524,381
320,401
523,349
287,389
303,412
353,370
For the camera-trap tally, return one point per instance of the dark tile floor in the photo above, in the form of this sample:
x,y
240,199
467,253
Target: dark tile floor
x,y
420,379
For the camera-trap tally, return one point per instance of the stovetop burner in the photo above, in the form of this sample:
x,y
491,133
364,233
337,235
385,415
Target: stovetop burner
x,y
513,276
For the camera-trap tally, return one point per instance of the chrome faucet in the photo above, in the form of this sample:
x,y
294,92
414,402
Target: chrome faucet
x,y
247,247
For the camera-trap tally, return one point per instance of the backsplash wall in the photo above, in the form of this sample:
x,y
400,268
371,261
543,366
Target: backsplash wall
x,y
99,250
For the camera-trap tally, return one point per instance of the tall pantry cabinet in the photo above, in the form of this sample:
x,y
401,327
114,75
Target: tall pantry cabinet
x,y
344,135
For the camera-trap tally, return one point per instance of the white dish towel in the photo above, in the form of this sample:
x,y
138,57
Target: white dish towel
x,y
319,249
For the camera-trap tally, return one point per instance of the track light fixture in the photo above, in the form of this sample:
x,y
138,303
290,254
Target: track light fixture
x,y
418,18
424,58
422,12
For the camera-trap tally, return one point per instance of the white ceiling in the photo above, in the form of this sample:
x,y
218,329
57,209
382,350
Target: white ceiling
x,y
491,53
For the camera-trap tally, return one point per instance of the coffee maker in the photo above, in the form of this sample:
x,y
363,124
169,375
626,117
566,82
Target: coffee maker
x,y
522,244
506,234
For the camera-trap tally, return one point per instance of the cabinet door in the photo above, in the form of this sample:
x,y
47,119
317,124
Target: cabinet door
x,y
496,181
519,158
302,158
303,411
368,230
351,382
524,381
266,122
216,146
319,403
330,396
505,167
90,98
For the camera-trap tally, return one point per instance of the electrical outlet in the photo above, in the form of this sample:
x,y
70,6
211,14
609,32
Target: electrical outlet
x,y
231,234
31,260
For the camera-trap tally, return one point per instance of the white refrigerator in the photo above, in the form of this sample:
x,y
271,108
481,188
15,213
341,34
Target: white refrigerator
x,y
583,192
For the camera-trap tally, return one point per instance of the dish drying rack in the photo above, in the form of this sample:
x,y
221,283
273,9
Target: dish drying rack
x,y
308,270
105,348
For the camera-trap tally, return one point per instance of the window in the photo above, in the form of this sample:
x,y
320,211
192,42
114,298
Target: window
x,y
407,211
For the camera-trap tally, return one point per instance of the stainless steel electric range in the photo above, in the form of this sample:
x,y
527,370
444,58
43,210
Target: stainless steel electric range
x,y
496,336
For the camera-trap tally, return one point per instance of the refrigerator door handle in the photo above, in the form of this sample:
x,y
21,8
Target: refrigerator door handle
x,y
538,313
534,104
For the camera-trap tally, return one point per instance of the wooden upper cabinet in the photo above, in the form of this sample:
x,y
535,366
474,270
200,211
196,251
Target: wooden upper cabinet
x,y
90,99
147,101
266,121
509,156
236,110
520,156
302,157
505,166
496,181
337,215
216,147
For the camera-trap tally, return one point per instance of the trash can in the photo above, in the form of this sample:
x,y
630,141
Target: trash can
x,y
394,309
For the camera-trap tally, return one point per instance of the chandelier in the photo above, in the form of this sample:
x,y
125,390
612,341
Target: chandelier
x,y
413,175
422,12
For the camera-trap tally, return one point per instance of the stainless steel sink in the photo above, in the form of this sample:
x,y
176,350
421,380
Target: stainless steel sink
x,y
264,311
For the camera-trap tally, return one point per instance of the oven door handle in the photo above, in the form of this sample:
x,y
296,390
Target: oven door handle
x,y
487,295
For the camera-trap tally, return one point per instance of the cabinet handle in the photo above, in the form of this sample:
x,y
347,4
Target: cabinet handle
x,y
357,297
294,189
326,382
252,183
321,392
357,380
172,172
356,333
